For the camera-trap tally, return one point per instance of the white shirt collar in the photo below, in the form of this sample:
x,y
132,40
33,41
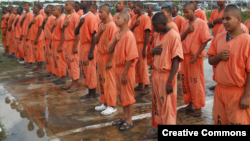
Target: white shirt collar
x,y
196,9
85,15
174,17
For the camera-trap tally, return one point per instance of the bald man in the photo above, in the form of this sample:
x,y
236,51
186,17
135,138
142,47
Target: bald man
x,y
198,12
230,52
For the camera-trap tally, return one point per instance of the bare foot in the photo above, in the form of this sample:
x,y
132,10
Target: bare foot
x,y
197,113
189,107
145,90
139,88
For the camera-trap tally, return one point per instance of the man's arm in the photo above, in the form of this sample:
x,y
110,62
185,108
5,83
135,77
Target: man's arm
x,y
77,29
24,17
216,21
97,38
194,57
135,25
112,46
91,55
38,34
222,56
175,66
16,21
245,99
75,50
188,30
125,72
147,34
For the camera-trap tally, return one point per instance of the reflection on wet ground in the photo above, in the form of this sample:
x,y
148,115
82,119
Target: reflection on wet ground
x,y
35,109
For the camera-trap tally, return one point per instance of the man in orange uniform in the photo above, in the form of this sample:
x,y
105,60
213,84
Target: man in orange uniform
x,y
36,37
77,9
121,5
167,55
27,48
198,12
141,27
131,11
59,53
126,56
167,12
49,55
222,28
149,10
71,41
230,52
87,28
10,32
42,11
192,71
106,74
4,29
18,32
177,19
93,9
13,28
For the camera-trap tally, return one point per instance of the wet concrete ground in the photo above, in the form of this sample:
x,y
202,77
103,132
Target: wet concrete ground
x,y
33,108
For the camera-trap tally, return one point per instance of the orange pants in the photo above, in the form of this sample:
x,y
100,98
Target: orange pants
x,y
141,68
10,38
20,49
88,66
29,52
38,51
193,81
126,95
227,106
107,83
59,59
72,60
47,56
16,47
4,40
163,105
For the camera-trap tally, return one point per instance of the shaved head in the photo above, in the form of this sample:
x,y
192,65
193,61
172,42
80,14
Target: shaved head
x,y
150,6
105,7
139,4
236,12
124,16
72,3
58,7
93,6
50,7
159,17
167,9
189,6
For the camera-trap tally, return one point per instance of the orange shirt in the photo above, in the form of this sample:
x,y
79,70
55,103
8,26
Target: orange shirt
x,y
57,32
152,28
19,27
232,72
201,14
193,41
88,28
69,31
216,15
4,22
125,49
178,20
110,16
139,31
222,28
174,26
80,13
107,35
131,13
35,28
48,26
10,19
98,20
13,24
247,23
171,48
43,13
26,22
63,15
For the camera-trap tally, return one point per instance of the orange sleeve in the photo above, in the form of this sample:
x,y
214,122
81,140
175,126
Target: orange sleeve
x,y
205,35
131,49
247,56
147,23
212,17
76,21
40,21
112,33
182,29
212,49
177,48
92,25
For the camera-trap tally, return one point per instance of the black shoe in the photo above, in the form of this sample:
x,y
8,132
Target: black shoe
x,y
56,80
59,82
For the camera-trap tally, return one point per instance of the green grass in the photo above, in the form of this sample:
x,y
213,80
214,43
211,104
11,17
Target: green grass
x,y
3,134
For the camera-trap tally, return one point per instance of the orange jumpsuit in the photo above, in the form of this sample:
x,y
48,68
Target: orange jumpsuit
x,y
106,78
164,105
18,35
10,34
43,13
72,59
149,55
15,44
131,13
231,78
49,55
178,20
142,75
200,14
38,51
125,50
222,28
80,13
60,61
88,66
27,48
3,27
216,15
247,23
174,26
192,75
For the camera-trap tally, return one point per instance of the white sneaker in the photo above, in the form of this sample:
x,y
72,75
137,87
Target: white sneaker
x,y
109,111
21,62
100,108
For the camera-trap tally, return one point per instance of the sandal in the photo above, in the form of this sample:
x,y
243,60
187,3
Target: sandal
x,y
59,82
47,75
145,92
138,89
117,122
71,91
184,110
38,70
197,114
65,88
83,97
126,126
